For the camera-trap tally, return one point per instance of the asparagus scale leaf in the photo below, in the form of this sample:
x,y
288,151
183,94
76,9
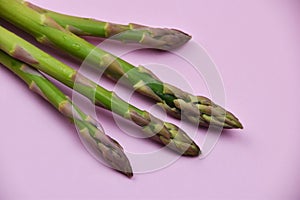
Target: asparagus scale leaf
x,y
159,38
176,102
163,132
102,146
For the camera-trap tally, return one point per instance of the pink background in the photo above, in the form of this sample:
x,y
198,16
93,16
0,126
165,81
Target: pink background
x,y
254,43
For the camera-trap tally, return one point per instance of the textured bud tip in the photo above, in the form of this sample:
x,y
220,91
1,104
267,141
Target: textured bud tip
x,y
178,39
128,174
125,169
104,148
165,39
180,141
239,125
192,151
197,109
234,122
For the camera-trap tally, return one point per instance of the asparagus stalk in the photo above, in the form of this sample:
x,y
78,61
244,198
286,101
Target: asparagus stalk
x,y
160,38
157,130
101,144
177,103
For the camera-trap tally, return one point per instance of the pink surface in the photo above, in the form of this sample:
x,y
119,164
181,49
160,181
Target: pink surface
x,y
255,45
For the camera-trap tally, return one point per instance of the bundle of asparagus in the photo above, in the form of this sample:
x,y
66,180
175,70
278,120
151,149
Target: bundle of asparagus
x,y
176,102
58,30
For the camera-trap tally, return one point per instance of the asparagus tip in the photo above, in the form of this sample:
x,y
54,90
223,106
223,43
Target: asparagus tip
x,y
175,39
233,121
239,125
161,38
129,174
193,151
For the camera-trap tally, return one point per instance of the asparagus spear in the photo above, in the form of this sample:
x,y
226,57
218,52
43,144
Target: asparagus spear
x,y
177,103
101,144
161,38
157,130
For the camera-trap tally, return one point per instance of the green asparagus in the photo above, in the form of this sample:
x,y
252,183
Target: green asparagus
x,y
159,38
101,144
176,102
157,130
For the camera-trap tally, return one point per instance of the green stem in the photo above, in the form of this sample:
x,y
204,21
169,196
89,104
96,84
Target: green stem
x,y
99,143
157,130
176,102
161,38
